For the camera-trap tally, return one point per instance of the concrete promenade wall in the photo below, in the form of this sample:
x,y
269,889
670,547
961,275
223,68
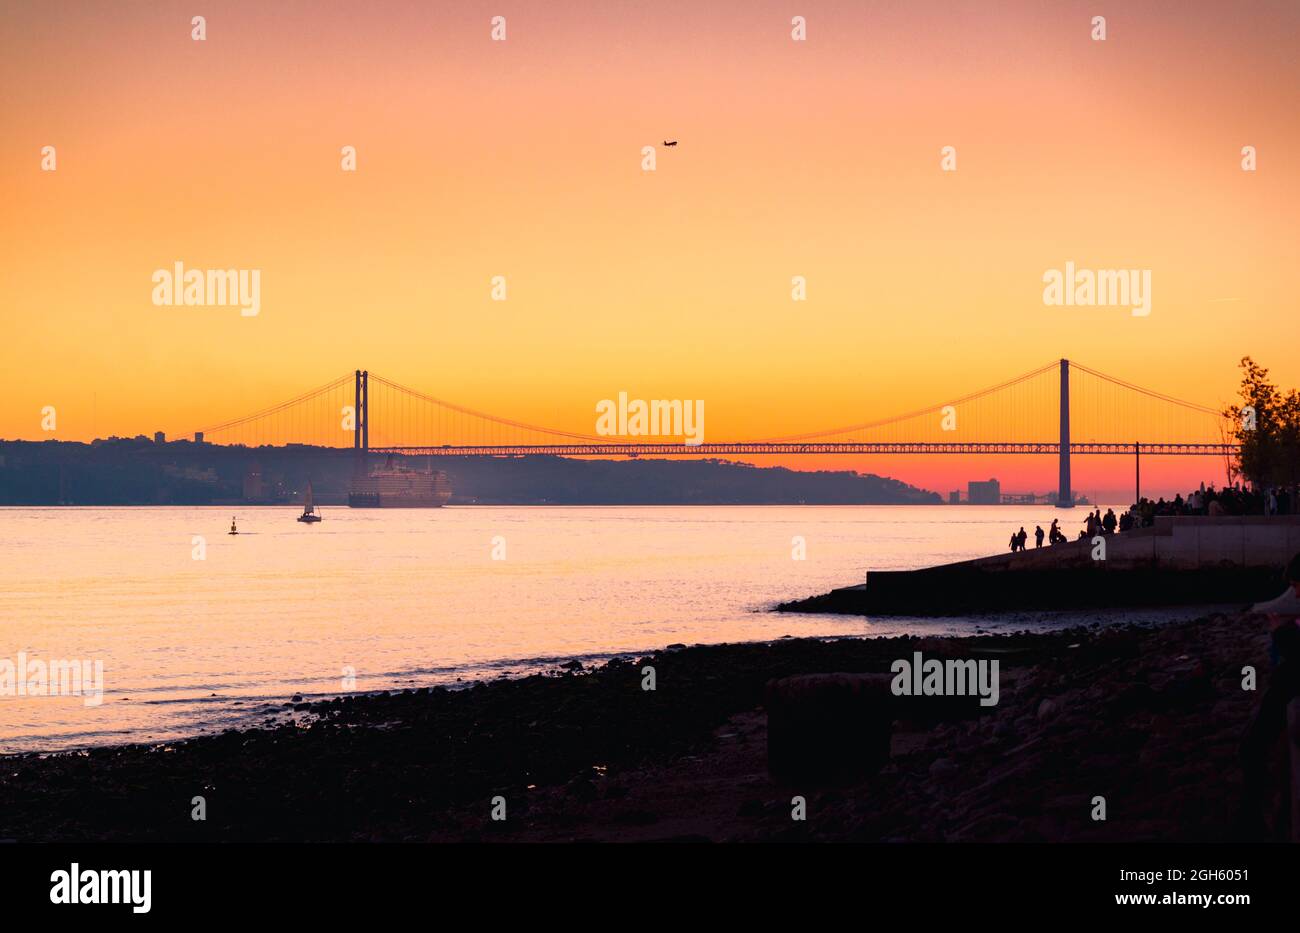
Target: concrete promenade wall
x,y
1176,542
1181,560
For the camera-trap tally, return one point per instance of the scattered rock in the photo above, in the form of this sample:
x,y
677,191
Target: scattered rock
x,y
750,809
826,727
942,767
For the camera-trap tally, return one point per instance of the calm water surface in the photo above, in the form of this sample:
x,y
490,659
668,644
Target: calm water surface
x,y
414,597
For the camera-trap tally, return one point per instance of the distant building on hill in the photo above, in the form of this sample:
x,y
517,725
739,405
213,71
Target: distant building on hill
x,y
984,493
254,487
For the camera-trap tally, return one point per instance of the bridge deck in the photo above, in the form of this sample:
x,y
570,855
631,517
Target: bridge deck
x,y
752,448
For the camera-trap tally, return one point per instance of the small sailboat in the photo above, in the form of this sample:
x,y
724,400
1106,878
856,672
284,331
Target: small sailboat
x,y
308,509
233,529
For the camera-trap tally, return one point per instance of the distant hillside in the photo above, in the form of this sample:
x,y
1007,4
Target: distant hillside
x,y
139,472
667,482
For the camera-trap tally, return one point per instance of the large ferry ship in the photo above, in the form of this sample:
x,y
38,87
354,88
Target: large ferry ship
x,y
396,487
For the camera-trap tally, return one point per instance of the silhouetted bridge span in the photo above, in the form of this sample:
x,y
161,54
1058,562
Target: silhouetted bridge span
x,y
1036,413
709,450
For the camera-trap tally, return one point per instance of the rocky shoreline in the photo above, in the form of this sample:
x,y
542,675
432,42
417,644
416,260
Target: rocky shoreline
x,y
1148,718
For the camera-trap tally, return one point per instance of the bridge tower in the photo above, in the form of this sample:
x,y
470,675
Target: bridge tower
x,y
361,421
1064,494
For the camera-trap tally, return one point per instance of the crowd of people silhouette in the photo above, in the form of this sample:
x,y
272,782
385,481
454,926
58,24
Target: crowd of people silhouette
x,y
1230,500
1096,524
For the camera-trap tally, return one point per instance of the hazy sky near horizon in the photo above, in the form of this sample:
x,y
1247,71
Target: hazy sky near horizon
x,y
522,158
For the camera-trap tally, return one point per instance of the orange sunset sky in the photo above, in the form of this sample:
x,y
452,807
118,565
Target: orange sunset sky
x,y
522,158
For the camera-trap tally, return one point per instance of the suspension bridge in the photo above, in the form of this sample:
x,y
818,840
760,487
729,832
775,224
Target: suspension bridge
x,y
1062,408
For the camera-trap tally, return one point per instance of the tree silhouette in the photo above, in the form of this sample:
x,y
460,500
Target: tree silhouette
x,y
1266,424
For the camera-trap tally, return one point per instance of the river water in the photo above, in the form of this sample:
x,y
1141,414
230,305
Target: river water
x,y
198,630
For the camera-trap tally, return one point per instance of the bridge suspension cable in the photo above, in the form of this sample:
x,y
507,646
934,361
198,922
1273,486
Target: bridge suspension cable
x,y
1109,409
919,413
484,416
277,423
